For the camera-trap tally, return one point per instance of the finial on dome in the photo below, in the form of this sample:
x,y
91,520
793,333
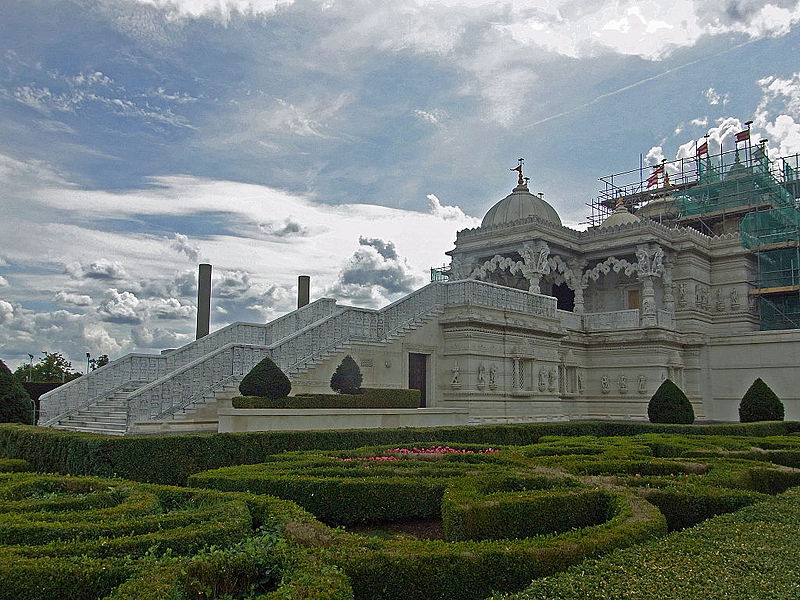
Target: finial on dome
x,y
518,169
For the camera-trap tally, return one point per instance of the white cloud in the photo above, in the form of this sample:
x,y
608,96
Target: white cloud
x,y
70,299
99,338
700,122
170,308
158,338
98,269
714,97
3,281
6,311
180,243
121,307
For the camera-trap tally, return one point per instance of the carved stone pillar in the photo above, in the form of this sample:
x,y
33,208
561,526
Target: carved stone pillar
x,y
669,296
650,264
648,308
577,266
535,264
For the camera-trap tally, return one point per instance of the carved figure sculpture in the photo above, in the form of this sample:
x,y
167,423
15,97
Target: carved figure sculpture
x,y
734,297
642,384
682,292
605,384
551,380
481,376
580,383
456,380
542,379
623,384
492,376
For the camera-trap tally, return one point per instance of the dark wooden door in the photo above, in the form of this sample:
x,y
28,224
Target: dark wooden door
x,y
418,374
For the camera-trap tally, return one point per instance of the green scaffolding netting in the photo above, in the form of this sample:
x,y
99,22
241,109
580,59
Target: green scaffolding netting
x,y
780,312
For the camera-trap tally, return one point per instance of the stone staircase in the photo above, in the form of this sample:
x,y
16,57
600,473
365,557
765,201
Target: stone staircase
x,y
108,416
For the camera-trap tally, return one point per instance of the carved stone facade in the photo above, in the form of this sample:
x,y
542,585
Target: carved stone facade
x,y
538,322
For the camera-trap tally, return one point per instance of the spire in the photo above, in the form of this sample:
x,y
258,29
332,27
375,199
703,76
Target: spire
x,y
522,182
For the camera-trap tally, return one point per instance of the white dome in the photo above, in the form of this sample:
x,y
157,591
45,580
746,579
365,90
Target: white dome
x,y
520,204
620,216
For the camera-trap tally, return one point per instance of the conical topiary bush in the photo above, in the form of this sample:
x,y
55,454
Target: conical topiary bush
x,y
15,404
266,380
670,405
760,403
347,378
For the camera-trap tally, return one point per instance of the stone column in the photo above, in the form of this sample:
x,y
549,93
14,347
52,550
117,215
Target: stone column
x,y
534,264
669,296
650,264
577,266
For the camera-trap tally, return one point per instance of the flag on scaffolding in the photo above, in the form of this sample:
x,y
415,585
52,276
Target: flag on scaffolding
x,y
702,150
743,136
653,179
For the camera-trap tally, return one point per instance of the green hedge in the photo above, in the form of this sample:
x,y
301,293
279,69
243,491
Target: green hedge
x,y
420,570
370,398
171,459
92,538
349,488
747,555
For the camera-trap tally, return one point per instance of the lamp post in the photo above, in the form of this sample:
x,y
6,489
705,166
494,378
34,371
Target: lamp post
x,y
30,367
88,359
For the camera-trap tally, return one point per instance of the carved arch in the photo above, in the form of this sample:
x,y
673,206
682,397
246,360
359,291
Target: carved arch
x,y
605,267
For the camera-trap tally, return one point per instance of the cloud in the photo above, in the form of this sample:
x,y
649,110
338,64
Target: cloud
x,y
654,156
99,338
158,337
70,299
121,307
374,273
700,122
715,97
450,213
385,249
3,281
289,228
180,243
231,284
6,312
171,308
99,269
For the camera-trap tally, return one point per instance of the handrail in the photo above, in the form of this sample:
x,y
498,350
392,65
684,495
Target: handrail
x,y
294,352
95,385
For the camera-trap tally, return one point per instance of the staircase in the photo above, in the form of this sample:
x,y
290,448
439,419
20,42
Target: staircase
x,y
108,416
178,391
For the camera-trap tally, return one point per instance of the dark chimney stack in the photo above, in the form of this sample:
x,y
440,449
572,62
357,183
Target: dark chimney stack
x,y
303,290
203,300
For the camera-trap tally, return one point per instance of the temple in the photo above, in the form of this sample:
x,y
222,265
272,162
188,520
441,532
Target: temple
x,y
689,272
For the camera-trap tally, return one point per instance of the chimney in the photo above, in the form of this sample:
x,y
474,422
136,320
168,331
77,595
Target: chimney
x,y
303,290
203,300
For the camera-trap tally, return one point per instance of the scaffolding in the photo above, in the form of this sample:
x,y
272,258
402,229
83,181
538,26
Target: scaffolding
x,y
739,190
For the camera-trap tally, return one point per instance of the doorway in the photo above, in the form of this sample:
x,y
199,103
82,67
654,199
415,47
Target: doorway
x,y
418,375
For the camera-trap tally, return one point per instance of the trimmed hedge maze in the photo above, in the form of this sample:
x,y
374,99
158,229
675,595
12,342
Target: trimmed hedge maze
x,y
511,514
87,537
511,517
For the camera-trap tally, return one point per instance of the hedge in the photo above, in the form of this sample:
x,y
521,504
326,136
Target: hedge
x,y
171,459
750,554
370,398
91,538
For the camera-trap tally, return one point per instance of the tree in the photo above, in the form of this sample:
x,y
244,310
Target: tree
x,y
266,380
670,405
760,403
15,404
53,368
347,377
100,361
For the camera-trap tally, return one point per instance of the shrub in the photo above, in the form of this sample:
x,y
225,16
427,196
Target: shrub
x,y
670,405
347,378
267,380
369,398
760,403
15,404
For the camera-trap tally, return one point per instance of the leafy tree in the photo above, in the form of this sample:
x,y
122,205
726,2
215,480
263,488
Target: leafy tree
x,y
670,405
760,403
53,368
347,377
15,404
266,380
100,361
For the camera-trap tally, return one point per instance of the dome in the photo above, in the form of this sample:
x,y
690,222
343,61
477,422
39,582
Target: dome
x,y
620,216
520,204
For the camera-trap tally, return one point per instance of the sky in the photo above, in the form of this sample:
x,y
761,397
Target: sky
x,y
345,140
